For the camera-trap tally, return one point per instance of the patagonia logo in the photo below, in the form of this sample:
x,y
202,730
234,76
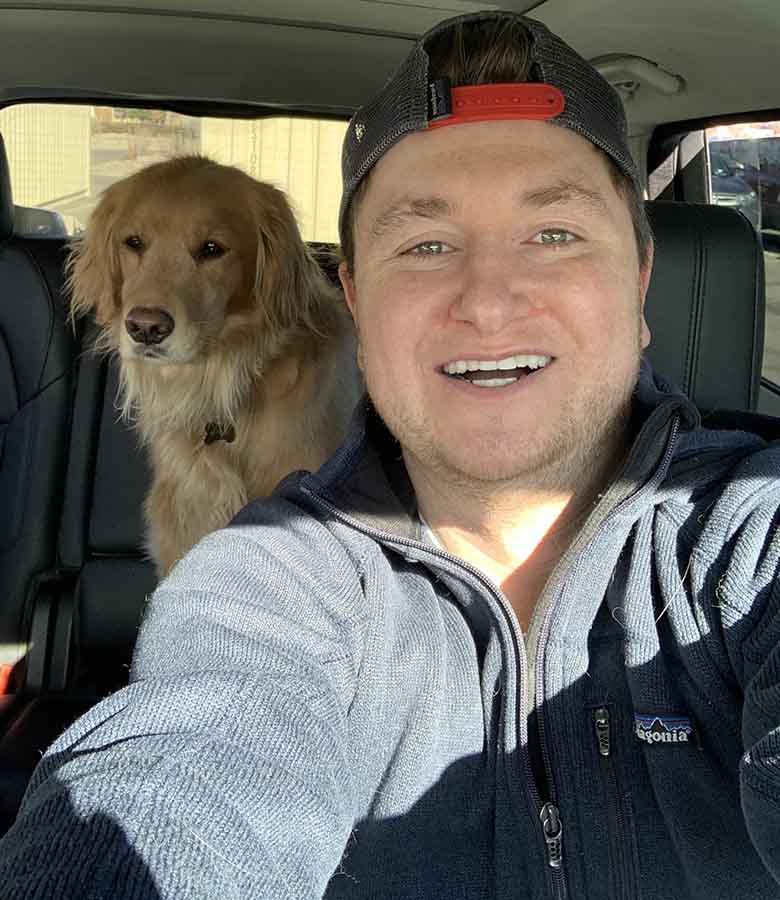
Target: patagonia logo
x,y
657,729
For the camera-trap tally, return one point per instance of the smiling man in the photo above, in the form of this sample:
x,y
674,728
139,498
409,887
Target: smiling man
x,y
519,637
498,299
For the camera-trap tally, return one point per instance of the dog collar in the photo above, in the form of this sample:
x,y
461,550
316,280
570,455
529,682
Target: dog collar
x,y
218,431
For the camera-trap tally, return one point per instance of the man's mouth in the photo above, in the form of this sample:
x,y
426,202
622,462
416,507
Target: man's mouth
x,y
496,372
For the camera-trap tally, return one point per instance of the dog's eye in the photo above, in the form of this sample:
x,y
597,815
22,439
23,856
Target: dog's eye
x,y
210,250
134,242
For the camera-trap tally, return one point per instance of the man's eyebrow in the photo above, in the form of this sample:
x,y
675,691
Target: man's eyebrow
x,y
407,208
435,207
564,192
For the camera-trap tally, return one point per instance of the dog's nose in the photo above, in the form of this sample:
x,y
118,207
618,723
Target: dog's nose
x,y
148,324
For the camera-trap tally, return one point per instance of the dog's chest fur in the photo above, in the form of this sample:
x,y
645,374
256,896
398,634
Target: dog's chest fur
x,y
294,419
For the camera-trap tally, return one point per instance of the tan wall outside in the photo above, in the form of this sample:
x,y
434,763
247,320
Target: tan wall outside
x,y
300,156
55,153
48,151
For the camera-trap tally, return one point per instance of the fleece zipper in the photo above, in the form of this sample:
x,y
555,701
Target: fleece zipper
x,y
550,827
615,502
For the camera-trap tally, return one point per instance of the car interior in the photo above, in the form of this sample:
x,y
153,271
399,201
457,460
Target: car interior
x,y
74,578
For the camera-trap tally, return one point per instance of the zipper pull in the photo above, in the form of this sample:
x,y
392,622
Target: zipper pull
x,y
552,829
601,721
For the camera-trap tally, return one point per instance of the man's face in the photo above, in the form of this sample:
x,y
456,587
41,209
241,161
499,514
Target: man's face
x,y
498,243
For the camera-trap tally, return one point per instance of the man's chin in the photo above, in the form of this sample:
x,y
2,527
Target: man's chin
x,y
485,465
566,456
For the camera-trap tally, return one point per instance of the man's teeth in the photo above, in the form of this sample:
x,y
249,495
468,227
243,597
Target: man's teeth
x,y
494,382
524,361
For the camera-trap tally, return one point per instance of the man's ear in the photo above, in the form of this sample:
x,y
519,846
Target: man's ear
x,y
644,283
347,282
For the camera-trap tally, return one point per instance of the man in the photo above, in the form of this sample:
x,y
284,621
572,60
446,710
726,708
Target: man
x,y
513,639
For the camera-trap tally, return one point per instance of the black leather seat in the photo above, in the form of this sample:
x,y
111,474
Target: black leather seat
x,y
705,306
37,351
101,584
101,539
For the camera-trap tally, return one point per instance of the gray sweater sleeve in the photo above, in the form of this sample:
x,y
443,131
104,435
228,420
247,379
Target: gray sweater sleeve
x,y
760,765
221,771
744,592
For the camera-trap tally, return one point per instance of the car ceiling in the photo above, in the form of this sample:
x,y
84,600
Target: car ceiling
x,y
327,57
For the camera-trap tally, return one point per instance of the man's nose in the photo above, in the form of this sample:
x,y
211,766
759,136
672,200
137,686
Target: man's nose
x,y
493,292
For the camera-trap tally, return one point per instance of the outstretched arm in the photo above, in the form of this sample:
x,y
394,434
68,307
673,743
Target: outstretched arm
x,y
747,603
222,769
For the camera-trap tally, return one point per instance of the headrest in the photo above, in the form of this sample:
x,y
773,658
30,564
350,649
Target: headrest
x,y
705,304
6,200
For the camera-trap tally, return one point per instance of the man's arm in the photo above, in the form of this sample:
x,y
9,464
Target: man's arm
x,y
743,534
222,770
760,765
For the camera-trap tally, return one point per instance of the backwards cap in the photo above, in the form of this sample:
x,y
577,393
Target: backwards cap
x,y
571,94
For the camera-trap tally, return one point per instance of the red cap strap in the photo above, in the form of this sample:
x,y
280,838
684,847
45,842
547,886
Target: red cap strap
x,y
486,102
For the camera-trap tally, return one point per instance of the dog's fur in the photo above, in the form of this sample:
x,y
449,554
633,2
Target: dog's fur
x,y
262,343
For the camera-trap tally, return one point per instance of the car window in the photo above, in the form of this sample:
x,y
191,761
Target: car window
x,y
62,158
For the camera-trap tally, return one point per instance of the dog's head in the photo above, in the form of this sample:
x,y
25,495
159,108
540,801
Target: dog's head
x,y
187,257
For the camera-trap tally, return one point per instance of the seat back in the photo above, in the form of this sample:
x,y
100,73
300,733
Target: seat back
x,y
90,621
101,537
705,305
37,351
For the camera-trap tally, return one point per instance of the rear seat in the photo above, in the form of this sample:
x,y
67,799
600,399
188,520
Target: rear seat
x,y
708,259
100,548
36,356
37,351
101,579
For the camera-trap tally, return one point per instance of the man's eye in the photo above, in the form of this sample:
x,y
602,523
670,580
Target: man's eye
x,y
555,236
428,248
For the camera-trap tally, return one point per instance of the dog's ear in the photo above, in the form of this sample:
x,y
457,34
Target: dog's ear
x,y
92,269
288,282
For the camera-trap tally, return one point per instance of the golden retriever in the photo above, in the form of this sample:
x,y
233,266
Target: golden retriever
x,y
237,356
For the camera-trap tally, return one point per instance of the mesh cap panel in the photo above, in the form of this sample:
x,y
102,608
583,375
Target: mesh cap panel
x,y
593,108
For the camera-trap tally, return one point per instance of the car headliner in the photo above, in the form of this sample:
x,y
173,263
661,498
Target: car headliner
x,y
326,58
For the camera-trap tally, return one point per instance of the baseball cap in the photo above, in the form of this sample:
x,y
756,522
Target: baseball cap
x,y
568,92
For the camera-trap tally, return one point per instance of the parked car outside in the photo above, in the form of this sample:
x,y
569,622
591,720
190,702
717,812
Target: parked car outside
x,y
730,188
